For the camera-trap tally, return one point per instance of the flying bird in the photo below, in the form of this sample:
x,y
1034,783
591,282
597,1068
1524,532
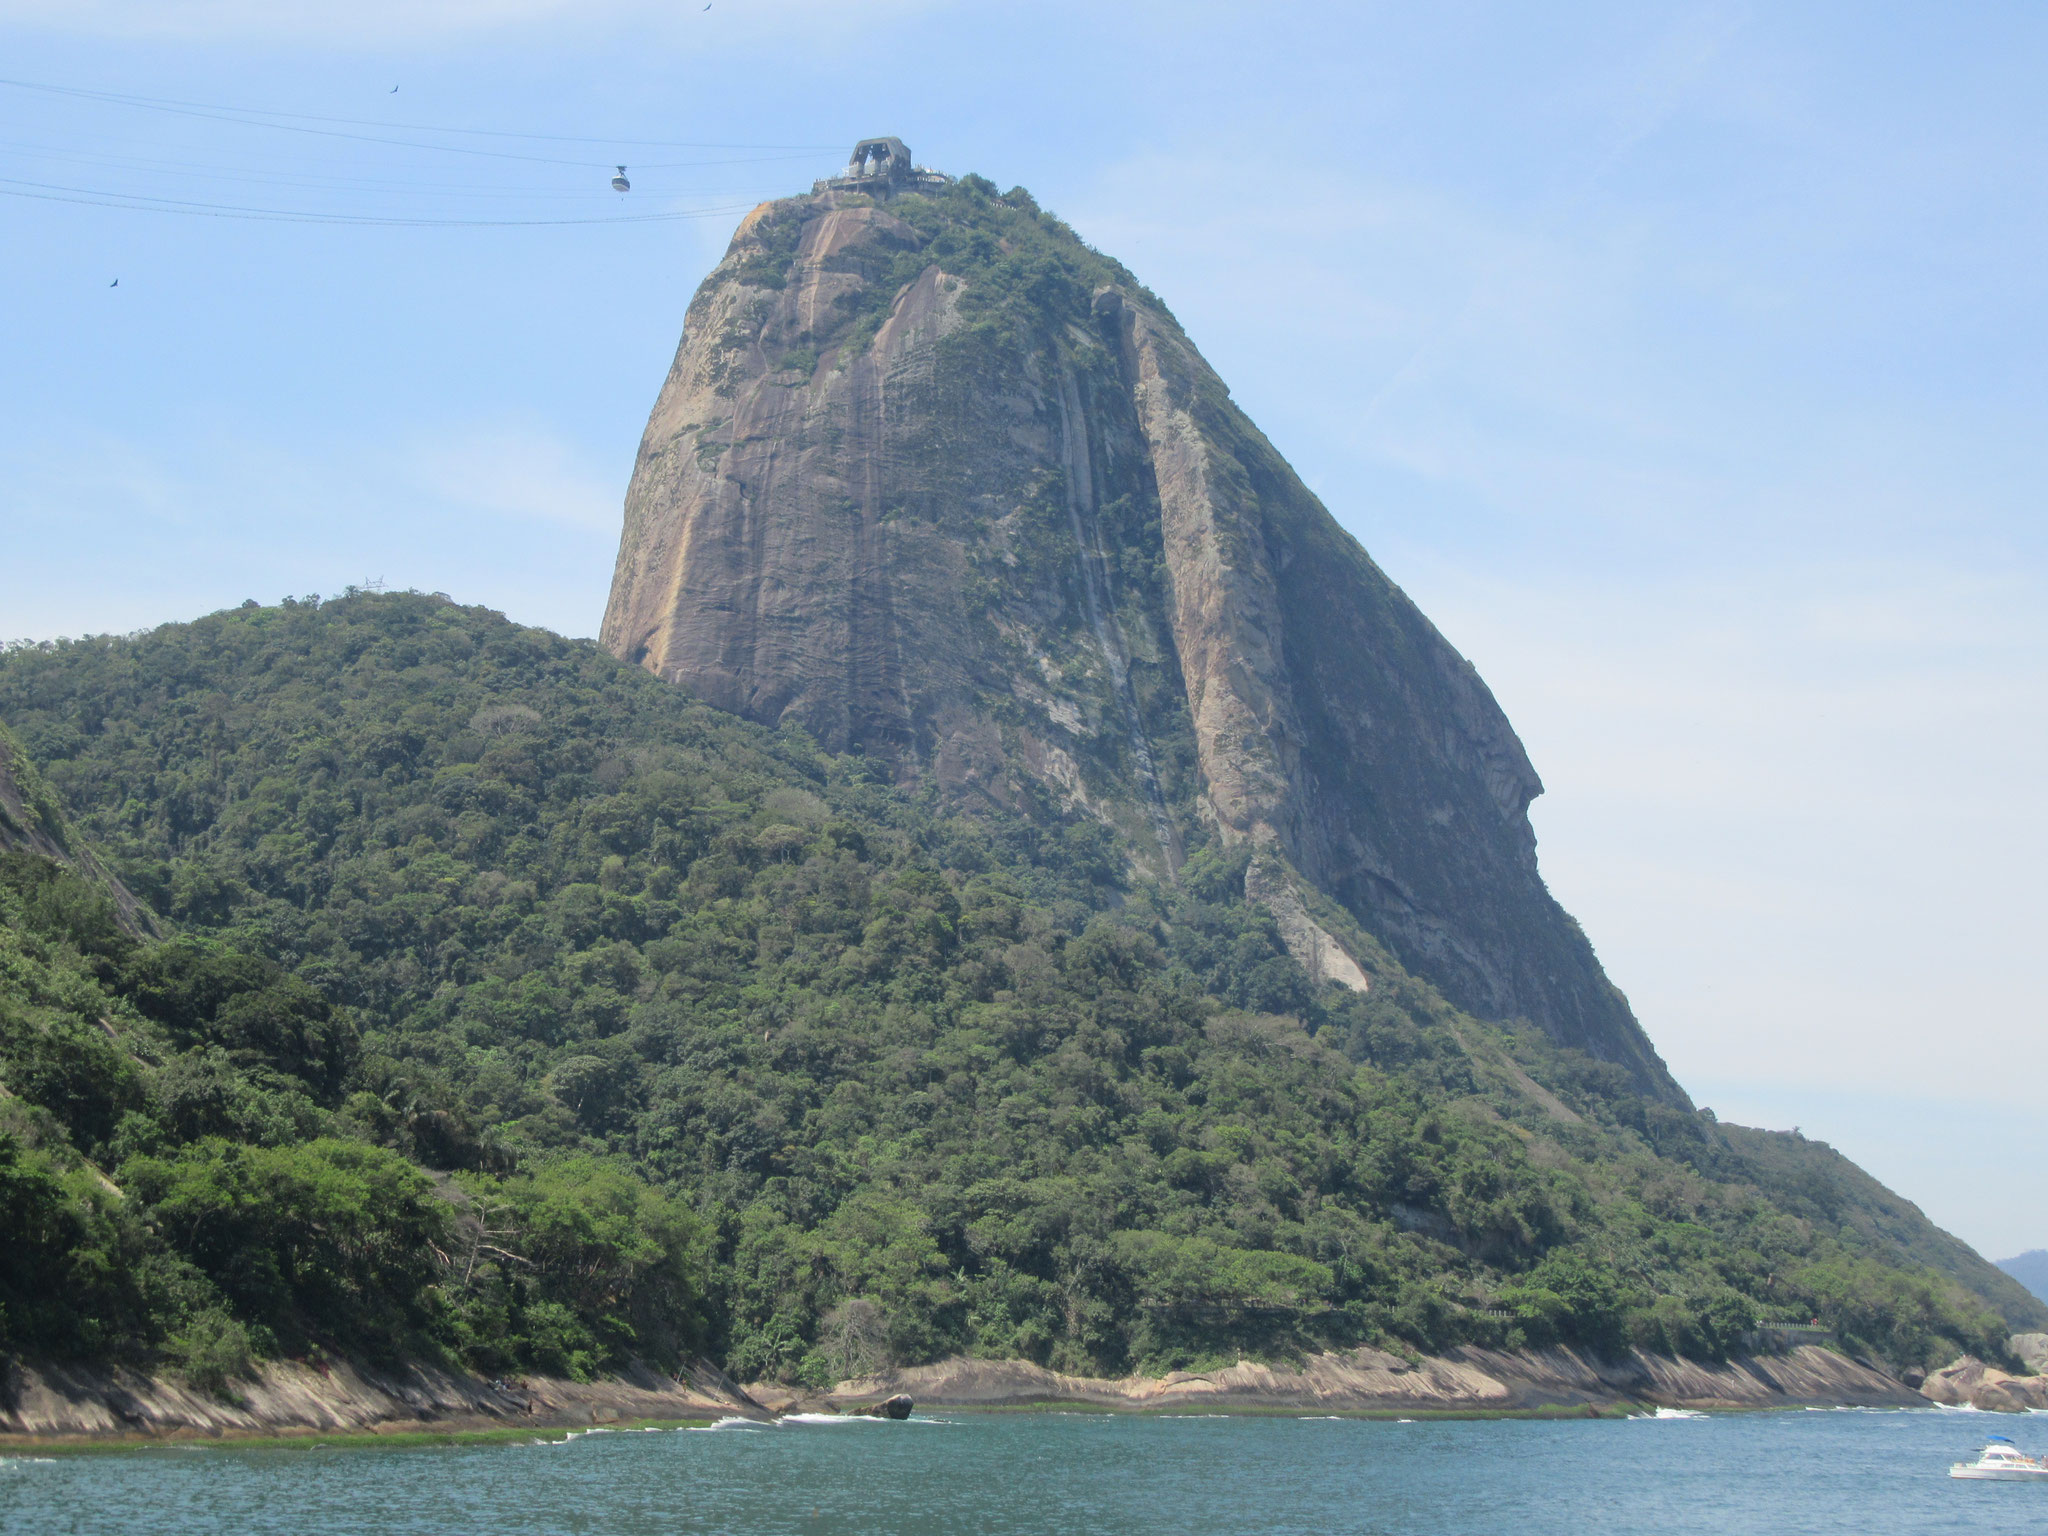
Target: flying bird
x,y
393,91
115,283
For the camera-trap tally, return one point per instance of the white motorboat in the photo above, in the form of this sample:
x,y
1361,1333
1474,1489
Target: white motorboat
x,y
2001,1461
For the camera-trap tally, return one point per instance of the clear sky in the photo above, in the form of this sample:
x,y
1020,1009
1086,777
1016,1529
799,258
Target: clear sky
x,y
1686,362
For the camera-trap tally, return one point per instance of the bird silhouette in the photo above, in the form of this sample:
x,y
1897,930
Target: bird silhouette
x,y
393,91
115,283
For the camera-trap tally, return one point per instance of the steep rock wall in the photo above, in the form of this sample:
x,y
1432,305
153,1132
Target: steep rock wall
x,y
895,542
976,507
1333,719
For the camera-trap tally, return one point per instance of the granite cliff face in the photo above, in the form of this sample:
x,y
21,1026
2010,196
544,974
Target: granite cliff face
x,y
938,483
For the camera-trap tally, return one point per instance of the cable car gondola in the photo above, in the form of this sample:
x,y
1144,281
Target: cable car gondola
x,y
619,182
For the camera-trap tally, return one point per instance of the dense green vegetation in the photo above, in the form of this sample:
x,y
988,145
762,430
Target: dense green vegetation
x,y
511,1006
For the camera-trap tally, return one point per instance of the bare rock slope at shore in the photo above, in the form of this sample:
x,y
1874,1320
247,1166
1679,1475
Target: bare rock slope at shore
x,y
1368,1380
288,1397
1969,1382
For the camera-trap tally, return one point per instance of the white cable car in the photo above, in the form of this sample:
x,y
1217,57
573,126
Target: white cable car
x,y
619,182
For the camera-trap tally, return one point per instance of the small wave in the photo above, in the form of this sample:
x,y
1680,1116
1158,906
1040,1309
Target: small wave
x,y
1404,1421
826,1418
733,1421
1670,1413
848,1418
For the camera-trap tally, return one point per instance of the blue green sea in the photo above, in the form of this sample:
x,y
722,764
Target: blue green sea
x,y
1853,1472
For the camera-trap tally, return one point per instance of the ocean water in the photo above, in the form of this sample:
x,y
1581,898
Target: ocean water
x,y
1858,1472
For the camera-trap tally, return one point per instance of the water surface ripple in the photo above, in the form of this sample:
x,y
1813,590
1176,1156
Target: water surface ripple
x,y
1050,1474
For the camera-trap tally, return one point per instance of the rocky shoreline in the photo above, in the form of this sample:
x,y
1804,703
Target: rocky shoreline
x,y
1463,1380
50,1404
1970,1383
54,1404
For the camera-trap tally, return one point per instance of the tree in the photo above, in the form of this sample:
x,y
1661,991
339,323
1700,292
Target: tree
x,y
854,1338
332,1238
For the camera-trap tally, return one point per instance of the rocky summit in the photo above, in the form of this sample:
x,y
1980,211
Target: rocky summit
x,y
942,485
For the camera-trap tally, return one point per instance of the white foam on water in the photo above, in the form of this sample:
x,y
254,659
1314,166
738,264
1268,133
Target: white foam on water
x,y
1404,1421
732,1422
595,1429
827,1418
1669,1413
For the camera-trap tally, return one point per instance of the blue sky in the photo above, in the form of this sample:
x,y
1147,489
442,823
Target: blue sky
x,y
1685,362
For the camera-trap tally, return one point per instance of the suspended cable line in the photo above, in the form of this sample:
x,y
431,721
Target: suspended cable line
x,y
370,138
253,117
146,203
508,199
318,182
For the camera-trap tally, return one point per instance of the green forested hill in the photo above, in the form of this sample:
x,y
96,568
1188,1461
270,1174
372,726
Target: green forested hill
x,y
517,1008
